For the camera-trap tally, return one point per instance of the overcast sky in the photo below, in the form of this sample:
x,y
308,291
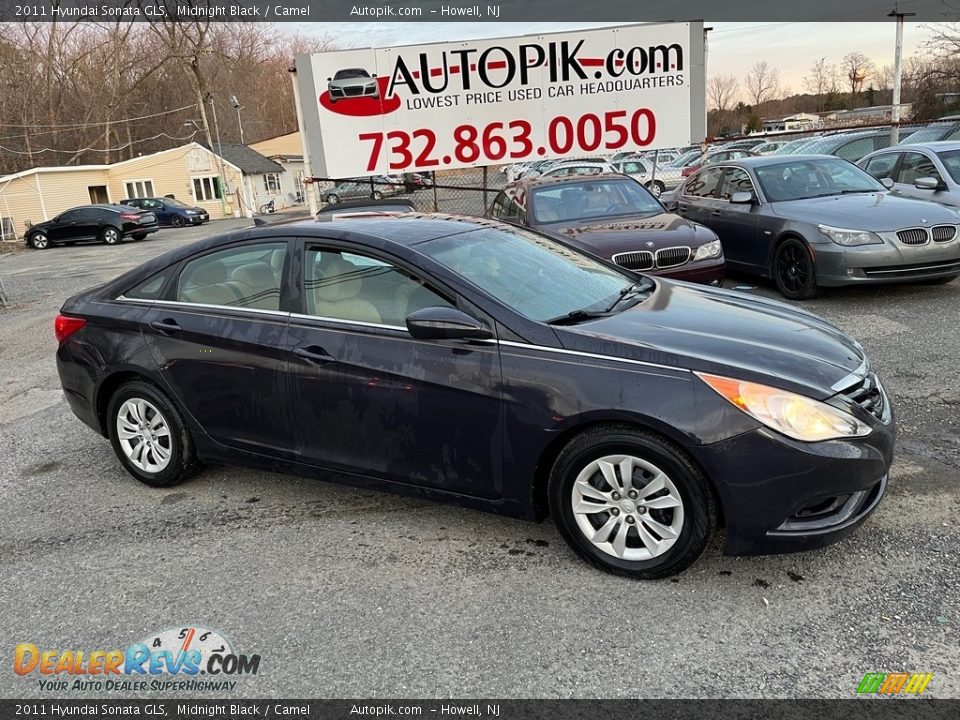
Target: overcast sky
x,y
734,47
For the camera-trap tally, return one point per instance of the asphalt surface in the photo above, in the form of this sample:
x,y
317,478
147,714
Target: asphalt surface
x,y
350,593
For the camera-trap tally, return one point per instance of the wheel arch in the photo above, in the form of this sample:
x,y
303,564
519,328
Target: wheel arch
x,y
108,388
788,234
553,449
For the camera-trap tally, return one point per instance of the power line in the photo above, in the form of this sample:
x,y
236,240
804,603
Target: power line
x,y
98,124
99,150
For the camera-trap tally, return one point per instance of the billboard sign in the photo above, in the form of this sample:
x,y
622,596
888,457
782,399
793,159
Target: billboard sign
x,y
502,100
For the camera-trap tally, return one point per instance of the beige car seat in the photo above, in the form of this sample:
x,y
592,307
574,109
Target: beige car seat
x,y
258,285
334,294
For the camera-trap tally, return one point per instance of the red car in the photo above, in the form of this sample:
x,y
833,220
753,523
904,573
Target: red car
x,y
616,218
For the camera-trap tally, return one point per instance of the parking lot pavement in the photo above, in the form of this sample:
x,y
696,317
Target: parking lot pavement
x,y
353,593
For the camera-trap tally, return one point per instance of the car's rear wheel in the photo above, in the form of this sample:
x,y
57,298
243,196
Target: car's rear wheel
x,y
333,198
149,436
377,195
631,503
793,271
656,188
39,241
110,236
177,221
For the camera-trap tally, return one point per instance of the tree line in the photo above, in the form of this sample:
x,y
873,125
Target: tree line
x,y
78,93
930,81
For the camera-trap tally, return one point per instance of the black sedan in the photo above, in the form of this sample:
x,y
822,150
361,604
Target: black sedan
x,y
811,221
108,224
474,362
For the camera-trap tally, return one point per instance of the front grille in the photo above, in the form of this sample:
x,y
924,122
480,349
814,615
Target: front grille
x,y
943,233
672,257
637,260
913,271
913,236
353,90
868,395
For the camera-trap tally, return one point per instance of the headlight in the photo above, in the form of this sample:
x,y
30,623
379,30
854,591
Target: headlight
x,y
192,212
709,250
795,416
849,238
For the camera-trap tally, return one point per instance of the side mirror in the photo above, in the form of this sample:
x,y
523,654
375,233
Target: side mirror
x,y
926,183
373,75
887,183
329,79
445,323
742,198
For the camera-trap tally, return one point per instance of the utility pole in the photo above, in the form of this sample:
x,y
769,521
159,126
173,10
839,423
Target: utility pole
x,y
897,75
238,108
223,172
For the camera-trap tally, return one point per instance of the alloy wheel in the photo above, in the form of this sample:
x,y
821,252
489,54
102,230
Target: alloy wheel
x,y
40,241
111,236
793,267
627,507
144,435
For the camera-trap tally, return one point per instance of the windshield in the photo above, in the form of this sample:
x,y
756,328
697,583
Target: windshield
x,y
351,73
951,161
531,274
175,203
592,199
801,179
686,158
927,134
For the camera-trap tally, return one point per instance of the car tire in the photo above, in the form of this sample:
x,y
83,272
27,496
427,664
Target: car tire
x,y
40,241
656,188
793,271
633,531
333,199
940,280
177,221
158,460
377,195
139,236
111,236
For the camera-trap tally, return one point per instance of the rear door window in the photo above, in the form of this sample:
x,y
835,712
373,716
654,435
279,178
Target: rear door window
x,y
247,276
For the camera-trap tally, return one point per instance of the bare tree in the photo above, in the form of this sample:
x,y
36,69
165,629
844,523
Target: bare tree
x,y
821,80
722,91
762,83
857,67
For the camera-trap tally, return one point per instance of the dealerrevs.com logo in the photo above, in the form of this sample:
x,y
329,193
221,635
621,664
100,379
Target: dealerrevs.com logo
x,y
190,659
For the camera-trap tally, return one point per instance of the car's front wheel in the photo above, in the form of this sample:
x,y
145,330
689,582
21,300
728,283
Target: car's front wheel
x,y
333,198
139,236
149,436
177,221
793,271
39,241
377,195
110,236
656,188
631,502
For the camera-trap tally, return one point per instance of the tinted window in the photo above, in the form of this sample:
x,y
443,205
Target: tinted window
x,y
917,165
152,287
505,207
243,276
882,165
70,216
798,179
736,180
359,288
592,199
633,168
537,277
705,183
951,161
856,149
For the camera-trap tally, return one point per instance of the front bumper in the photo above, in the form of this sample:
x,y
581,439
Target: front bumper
x,y
886,263
705,272
782,495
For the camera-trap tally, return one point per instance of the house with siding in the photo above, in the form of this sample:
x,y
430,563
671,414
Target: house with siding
x,y
287,151
191,173
262,178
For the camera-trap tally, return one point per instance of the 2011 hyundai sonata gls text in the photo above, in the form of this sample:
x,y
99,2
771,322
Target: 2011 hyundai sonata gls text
x,y
471,361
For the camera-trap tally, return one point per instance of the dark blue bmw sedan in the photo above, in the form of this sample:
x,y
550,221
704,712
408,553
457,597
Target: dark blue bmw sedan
x,y
474,362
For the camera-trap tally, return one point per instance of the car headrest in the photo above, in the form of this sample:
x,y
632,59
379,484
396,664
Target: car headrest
x,y
339,280
207,273
256,275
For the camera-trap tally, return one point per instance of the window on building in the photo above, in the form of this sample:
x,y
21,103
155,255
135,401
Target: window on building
x,y
206,189
271,182
139,188
298,181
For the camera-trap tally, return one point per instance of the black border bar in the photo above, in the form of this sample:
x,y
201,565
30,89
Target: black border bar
x,y
614,11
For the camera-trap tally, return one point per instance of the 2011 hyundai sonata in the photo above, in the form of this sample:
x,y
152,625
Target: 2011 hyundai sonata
x,y
487,365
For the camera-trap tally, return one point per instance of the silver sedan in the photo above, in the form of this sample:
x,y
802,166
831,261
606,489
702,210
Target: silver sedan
x,y
812,221
926,171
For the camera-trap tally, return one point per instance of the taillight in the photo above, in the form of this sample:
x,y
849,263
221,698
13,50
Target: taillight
x,y
65,326
129,216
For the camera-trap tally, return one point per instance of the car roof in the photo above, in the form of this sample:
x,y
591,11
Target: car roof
x,y
765,160
540,181
935,145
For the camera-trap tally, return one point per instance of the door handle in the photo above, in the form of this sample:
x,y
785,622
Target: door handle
x,y
314,354
167,326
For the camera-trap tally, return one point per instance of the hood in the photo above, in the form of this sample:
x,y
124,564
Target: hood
x,y
878,211
608,236
725,332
